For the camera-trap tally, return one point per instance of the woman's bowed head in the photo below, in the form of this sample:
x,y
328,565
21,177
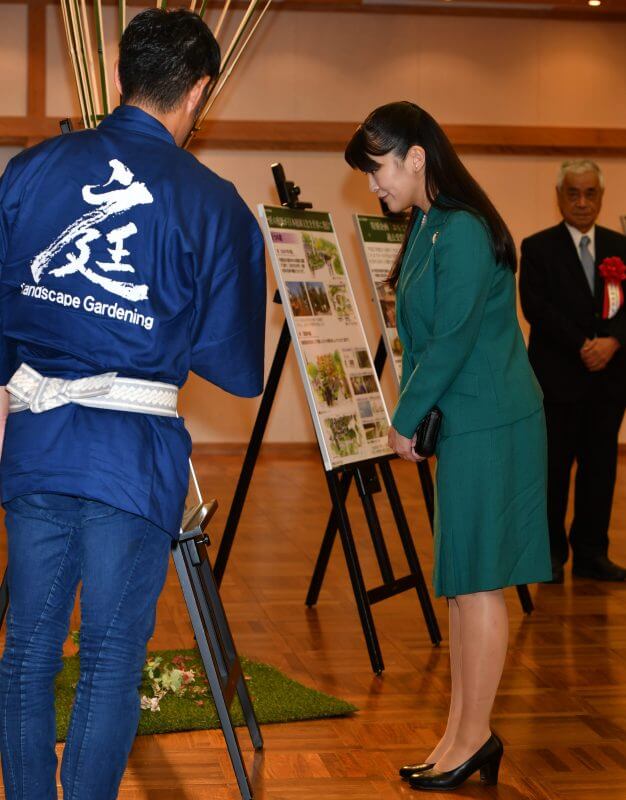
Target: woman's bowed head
x,y
411,164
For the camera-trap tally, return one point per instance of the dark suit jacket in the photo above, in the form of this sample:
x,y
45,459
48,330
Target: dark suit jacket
x,y
562,313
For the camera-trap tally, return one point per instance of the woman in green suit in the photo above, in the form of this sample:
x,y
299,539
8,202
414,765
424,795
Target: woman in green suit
x,y
463,352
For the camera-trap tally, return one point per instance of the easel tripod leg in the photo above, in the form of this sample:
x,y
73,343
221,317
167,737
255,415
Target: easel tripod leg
x,y
228,644
525,599
410,551
252,454
428,490
376,533
356,576
209,661
327,545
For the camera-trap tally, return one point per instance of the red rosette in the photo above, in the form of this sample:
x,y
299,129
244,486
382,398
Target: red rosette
x,y
613,270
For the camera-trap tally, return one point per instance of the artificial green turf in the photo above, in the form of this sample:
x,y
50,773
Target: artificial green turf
x,y
276,698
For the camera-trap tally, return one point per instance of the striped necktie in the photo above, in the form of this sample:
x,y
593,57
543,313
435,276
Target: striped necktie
x,y
587,262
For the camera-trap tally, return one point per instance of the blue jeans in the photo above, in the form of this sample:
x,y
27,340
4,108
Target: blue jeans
x,y
55,541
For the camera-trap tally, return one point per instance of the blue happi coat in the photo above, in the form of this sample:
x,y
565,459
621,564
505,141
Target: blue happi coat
x,y
120,252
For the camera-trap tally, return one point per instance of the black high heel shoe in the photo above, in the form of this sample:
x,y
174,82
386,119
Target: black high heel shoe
x,y
487,760
413,769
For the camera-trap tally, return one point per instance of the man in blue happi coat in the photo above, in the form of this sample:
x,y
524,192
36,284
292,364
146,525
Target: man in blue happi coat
x,y
125,264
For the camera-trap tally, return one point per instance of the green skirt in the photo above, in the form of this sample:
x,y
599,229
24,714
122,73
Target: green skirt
x,y
491,525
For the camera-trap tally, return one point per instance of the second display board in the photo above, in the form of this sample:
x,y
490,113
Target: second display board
x,y
381,239
343,392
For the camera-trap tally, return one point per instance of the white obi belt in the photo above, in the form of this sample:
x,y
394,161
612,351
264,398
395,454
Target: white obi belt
x,y
30,390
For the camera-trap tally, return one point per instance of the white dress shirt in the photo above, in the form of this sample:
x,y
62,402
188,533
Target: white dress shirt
x,y
578,235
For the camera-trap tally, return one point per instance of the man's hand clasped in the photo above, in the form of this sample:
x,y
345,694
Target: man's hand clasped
x,y
402,446
596,353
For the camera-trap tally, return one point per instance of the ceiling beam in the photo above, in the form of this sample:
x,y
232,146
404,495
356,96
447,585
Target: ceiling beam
x,y
332,136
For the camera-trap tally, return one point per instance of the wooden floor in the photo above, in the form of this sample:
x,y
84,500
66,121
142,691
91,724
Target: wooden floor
x,y
561,711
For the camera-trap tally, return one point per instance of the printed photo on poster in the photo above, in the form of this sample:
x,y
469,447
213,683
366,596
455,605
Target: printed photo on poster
x,y
318,298
346,438
322,254
342,304
364,384
299,299
328,379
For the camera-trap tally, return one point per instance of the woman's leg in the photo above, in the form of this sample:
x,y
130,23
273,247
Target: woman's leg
x,y
43,573
456,695
484,629
125,561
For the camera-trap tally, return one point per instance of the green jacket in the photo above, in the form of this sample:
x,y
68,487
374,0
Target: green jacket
x,y
457,321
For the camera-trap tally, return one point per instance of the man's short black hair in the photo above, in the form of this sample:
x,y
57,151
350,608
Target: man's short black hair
x,y
162,56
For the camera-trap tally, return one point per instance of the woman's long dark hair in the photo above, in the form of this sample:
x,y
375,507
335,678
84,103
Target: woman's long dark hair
x,y
395,128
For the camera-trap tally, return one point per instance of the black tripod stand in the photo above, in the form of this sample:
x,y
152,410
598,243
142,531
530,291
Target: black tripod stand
x,y
213,636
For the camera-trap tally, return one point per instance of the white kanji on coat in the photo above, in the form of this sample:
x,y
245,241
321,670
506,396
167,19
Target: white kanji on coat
x,y
82,232
116,238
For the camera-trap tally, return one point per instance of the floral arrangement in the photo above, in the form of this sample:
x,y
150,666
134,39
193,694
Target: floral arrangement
x,y
176,678
179,676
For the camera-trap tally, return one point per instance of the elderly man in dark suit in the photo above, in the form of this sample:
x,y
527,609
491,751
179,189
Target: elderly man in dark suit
x,y
578,350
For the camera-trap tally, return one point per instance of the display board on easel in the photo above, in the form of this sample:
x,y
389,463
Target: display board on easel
x,y
342,388
380,239
345,402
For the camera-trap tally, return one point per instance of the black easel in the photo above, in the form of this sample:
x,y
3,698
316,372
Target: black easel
x,y
214,639
366,477
364,474
330,534
210,626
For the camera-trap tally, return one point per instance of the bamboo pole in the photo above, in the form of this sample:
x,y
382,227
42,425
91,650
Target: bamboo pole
x,y
91,70
80,50
82,60
76,53
102,61
121,16
239,33
221,19
225,61
216,93
73,59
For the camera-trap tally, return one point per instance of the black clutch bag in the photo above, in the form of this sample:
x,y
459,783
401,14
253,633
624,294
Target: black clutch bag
x,y
427,432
